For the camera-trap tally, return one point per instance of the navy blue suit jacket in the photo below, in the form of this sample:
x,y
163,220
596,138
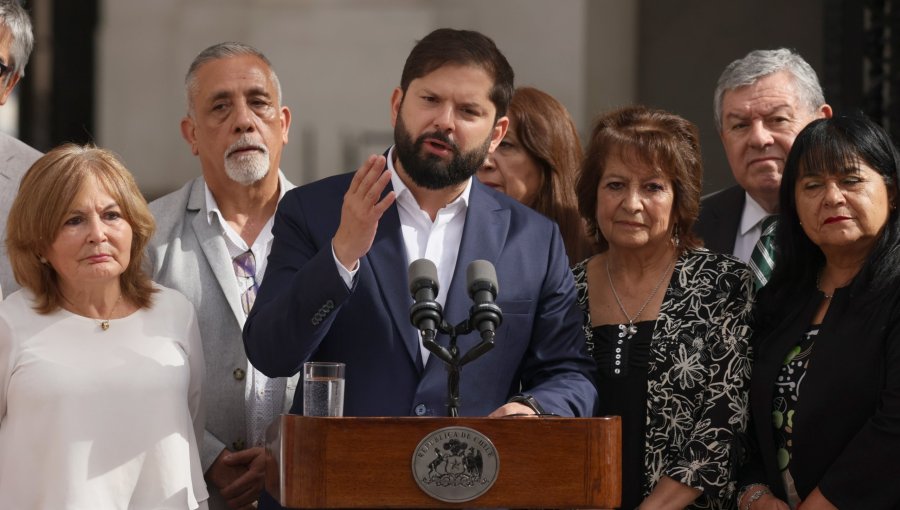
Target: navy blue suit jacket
x,y
304,311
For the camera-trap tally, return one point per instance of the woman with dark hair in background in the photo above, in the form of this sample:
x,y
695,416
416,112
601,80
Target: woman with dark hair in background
x,y
537,162
825,393
666,321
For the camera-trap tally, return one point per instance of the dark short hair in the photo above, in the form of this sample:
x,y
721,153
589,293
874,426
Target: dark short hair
x,y
546,131
832,147
461,47
658,139
40,208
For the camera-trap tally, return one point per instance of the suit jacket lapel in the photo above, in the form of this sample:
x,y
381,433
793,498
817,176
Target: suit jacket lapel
x,y
484,235
728,220
387,258
213,245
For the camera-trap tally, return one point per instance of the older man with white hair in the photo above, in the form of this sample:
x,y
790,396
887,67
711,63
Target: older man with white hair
x,y
212,244
762,101
16,42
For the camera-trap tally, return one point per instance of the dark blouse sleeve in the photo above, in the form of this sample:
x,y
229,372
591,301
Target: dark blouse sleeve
x,y
867,473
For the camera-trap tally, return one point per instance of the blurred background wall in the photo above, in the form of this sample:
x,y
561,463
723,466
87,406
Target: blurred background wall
x,y
112,71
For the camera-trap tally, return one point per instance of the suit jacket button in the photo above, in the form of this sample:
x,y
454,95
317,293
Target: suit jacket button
x,y
421,410
239,374
238,445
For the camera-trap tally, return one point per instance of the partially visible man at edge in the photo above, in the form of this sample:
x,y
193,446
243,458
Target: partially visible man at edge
x,y
761,103
212,243
16,43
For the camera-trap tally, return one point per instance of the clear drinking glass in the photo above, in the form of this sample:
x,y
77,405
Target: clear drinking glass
x,y
323,388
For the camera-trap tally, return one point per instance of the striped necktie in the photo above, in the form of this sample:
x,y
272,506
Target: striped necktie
x,y
762,260
245,267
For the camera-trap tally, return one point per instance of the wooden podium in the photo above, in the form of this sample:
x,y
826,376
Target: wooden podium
x,y
369,462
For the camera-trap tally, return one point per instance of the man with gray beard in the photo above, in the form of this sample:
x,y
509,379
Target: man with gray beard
x,y
212,244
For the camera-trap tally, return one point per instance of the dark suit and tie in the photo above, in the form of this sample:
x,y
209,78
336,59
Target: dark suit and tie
x,y
761,102
304,311
718,225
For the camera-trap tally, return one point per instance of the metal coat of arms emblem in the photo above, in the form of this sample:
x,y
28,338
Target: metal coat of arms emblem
x,y
455,464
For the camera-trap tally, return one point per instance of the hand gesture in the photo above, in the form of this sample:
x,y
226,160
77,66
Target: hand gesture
x,y
362,209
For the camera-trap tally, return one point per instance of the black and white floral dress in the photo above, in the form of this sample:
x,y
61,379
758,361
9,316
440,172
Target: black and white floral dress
x,y
697,376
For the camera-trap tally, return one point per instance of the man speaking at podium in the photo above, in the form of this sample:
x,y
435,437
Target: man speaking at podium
x,y
336,287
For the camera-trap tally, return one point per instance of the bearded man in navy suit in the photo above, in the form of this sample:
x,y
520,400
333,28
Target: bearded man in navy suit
x,y
336,287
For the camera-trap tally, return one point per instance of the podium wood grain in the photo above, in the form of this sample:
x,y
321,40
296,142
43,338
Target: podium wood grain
x,y
367,462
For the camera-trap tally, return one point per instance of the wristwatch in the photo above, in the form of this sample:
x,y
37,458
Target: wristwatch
x,y
529,401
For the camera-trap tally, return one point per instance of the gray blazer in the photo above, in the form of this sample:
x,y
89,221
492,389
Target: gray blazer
x,y
15,159
189,255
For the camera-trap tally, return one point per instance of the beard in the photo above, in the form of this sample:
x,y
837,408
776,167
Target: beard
x,y
429,170
249,167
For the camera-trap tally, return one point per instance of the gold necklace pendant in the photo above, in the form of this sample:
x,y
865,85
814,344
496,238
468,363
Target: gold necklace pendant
x,y
104,324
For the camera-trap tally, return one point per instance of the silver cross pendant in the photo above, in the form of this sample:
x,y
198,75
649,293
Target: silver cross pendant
x,y
630,330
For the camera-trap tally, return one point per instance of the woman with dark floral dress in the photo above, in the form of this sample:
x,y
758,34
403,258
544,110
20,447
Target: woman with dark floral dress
x,y
666,321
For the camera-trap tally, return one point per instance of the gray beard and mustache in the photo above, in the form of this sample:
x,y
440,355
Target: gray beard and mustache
x,y
250,167
430,171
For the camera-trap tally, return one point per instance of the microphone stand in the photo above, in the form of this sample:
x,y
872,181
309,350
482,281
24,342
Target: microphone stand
x,y
451,356
427,315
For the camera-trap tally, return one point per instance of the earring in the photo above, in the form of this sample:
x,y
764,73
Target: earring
x,y
675,239
42,259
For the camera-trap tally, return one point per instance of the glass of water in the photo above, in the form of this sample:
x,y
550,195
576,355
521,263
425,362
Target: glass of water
x,y
323,388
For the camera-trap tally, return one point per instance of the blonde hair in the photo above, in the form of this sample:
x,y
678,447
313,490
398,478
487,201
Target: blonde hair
x,y
39,210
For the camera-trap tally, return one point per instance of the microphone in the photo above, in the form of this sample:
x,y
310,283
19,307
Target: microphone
x,y
485,315
426,313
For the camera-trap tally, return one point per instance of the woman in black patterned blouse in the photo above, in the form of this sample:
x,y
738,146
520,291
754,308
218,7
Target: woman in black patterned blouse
x,y
825,393
665,320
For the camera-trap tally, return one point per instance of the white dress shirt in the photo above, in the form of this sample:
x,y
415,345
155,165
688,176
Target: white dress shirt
x,y
437,241
263,396
749,229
